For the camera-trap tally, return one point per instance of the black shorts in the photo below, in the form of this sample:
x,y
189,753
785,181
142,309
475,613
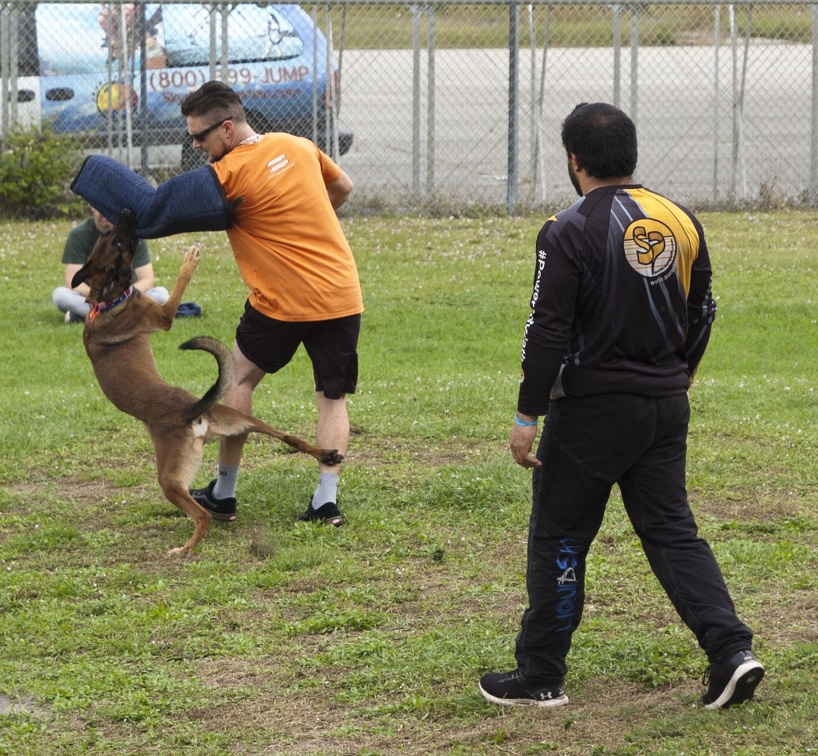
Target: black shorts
x,y
331,345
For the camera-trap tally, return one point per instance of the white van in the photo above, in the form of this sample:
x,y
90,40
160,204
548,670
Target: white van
x,y
109,74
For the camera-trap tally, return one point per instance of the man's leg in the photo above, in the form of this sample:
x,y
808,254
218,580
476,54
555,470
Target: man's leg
x,y
586,446
239,396
67,300
555,571
158,294
569,494
332,432
655,498
332,347
219,496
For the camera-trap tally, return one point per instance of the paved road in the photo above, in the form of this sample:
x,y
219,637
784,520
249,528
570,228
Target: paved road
x,y
685,123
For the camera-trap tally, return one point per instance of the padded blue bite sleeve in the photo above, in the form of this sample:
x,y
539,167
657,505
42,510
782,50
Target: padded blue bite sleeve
x,y
192,201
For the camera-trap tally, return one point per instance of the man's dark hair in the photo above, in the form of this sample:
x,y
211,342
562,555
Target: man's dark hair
x,y
214,98
603,138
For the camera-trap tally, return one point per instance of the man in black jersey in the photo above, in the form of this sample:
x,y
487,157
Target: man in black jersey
x,y
621,316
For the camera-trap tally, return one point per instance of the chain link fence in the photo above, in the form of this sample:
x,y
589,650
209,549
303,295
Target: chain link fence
x,y
434,102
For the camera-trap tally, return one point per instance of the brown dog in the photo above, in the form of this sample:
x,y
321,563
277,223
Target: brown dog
x,y
117,339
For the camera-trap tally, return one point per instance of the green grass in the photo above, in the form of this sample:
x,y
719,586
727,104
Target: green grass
x,y
281,637
487,26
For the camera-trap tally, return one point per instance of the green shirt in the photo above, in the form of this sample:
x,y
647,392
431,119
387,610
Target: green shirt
x,y
81,241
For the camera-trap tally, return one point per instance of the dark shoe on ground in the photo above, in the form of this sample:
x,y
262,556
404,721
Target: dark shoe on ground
x,y
328,514
70,317
220,509
188,310
513,689
732,681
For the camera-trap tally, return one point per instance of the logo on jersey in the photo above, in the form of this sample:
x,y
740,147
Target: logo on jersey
x,y
278,164
650,248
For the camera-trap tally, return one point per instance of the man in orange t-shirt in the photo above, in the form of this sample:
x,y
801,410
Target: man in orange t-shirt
x,y
304,289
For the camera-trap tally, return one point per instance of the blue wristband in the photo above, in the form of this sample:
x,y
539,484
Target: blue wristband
x,y
524,423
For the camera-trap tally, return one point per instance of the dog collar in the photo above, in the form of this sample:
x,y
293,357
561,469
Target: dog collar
x,y
103,306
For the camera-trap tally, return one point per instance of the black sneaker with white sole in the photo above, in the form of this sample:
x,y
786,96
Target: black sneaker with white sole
x,y
220,509
327,514
513,689
732,681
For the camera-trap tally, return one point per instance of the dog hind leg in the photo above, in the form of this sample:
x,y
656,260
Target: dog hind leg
x,y
226,421
177,460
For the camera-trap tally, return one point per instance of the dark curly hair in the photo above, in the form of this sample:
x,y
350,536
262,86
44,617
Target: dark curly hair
x,y
603,138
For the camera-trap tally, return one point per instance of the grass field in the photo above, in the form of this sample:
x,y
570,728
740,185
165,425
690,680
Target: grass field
x,y
574,25
278,637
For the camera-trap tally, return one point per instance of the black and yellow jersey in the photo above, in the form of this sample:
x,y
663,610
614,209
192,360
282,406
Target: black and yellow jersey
x,y
621,300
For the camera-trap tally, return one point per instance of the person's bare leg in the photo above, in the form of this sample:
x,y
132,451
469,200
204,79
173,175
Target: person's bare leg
x,y
332,429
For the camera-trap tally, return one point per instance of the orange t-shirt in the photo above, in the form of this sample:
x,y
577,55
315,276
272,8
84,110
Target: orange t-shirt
x,y
288,243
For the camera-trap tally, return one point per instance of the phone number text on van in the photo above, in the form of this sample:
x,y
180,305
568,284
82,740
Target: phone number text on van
x,y
159,81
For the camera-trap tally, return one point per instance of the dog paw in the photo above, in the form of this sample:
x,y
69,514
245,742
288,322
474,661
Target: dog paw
x,y
180,552
192,257
331,457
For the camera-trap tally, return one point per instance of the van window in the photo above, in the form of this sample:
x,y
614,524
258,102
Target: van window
x,y
83,39
254,34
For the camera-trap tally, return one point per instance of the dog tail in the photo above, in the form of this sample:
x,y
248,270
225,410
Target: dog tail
x,y
227,369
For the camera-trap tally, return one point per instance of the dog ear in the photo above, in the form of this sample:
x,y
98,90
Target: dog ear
x,y
81,276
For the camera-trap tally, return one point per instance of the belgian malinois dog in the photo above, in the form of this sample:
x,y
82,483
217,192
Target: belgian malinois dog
x,y
117,340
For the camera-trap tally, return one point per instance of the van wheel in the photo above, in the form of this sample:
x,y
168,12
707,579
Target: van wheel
x,y
191,158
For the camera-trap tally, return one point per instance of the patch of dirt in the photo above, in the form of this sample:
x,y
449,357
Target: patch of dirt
x,y
22,705
307,722
745,504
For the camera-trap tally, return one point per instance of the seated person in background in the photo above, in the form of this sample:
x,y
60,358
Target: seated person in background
x,y
78,247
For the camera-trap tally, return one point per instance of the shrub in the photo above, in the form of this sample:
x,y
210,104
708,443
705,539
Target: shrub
x,y
36,169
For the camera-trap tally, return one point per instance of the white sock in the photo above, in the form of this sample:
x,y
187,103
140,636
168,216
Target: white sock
x,y
225,487
327,490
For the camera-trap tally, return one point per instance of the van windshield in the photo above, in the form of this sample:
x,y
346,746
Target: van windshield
x,y
84,39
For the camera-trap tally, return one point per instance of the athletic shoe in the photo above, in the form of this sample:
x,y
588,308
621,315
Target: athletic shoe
x,y
328,514
70,317
221,509
513,689
732,681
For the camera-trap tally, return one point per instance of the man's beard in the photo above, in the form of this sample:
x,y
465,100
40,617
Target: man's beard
x,y
574,180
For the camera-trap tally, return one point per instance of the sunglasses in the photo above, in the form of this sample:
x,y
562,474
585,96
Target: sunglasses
x,y
200,136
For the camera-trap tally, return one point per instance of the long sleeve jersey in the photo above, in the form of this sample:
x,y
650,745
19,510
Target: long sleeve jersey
x,y
621,300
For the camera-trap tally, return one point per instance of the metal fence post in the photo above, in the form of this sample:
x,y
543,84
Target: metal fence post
x,y
13,69
617,54
143,93
4,69
716,98
415,100
813,152
213,40
513,89
634,9
430,101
